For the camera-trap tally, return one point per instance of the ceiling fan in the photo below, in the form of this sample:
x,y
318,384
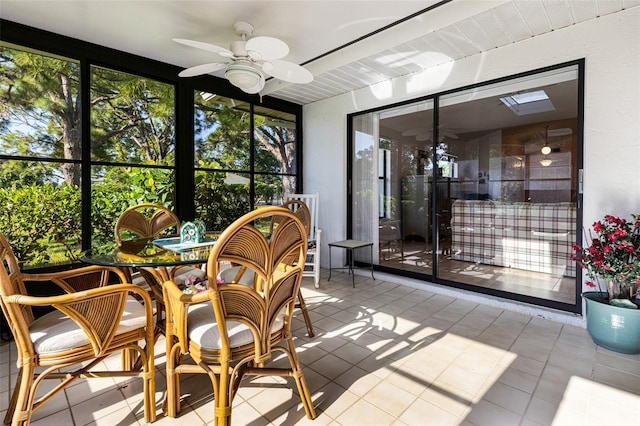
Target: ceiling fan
x,y
248,60
423,134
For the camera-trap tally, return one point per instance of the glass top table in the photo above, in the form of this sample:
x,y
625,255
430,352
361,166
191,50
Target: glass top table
x,y
147,252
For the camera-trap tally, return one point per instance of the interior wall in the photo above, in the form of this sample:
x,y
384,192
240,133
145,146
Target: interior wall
x,y
611,50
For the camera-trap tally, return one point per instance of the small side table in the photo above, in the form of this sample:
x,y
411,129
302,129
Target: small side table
x,y
351,245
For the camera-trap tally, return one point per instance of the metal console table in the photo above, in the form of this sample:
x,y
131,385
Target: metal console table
x,y
351,245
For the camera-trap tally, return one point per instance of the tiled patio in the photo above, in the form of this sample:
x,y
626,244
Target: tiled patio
x,y
389,354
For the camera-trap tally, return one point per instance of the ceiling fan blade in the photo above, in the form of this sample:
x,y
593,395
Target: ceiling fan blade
x,y
205,46
287,71
202,69
450,135
266,48
415,132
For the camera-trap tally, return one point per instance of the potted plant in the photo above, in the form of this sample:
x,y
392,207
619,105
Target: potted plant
x,y
613,258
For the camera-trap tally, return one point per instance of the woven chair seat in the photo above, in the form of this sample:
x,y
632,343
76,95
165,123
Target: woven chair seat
x,y
56,332
202,328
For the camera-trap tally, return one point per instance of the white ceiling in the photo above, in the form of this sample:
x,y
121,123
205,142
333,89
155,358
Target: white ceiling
x,y
313,29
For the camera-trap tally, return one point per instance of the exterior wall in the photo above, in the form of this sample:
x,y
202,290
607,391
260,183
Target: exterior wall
x,y
611,48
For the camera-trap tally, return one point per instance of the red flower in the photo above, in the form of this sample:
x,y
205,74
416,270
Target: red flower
x,y
597,226
613,255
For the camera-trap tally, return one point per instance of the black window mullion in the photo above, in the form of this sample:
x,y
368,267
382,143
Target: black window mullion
x,y
252,158
85,132
184,161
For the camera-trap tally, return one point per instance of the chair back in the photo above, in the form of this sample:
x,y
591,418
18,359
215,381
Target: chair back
x,y
276,260
301,210
389,230
19,317
311,202
146,220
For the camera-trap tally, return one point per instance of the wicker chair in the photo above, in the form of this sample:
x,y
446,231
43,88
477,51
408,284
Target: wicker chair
x,y
144,222
243,276
232,329
90,320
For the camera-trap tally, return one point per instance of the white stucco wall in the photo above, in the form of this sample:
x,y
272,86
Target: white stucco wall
x,y
611,48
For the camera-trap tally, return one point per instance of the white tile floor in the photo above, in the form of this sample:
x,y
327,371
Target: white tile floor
x,y
388,354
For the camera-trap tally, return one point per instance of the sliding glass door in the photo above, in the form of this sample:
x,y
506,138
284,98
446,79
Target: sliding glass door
x,y
476,188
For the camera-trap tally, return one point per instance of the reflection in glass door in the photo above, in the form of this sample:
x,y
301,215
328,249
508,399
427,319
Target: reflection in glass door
x,y
402,139
487,198
508,216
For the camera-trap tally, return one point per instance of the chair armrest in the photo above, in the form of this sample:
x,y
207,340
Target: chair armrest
x,y
98,312
177,304
78,279
78,296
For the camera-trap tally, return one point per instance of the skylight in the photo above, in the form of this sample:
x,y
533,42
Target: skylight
x,y
528,103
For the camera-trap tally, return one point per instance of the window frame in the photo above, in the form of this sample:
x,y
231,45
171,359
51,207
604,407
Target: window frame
x,y
88,55
436,98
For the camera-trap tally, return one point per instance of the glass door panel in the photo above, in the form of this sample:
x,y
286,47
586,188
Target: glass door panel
x,y
393,159
506,192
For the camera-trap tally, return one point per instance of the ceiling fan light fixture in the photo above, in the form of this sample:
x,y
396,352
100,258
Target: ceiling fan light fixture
x,y
257,88
251,58
546,149
245,77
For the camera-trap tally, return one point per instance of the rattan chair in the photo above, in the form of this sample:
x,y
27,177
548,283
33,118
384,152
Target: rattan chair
x,y
89,321
243,276
232,329
144,222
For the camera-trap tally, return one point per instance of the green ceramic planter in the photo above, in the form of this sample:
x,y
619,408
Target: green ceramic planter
x,y
612,327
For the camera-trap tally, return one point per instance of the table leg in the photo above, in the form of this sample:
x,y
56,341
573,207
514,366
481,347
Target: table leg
x,y
371,260
353,275
329,279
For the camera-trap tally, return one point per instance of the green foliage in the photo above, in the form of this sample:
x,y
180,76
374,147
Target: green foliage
x,y
132,118
24,173
124,187
219,204
226,144
42,222
132,123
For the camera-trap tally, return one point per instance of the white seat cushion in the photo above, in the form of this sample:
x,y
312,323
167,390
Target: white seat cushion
x,y
227,275
55,332
203,328
184,272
